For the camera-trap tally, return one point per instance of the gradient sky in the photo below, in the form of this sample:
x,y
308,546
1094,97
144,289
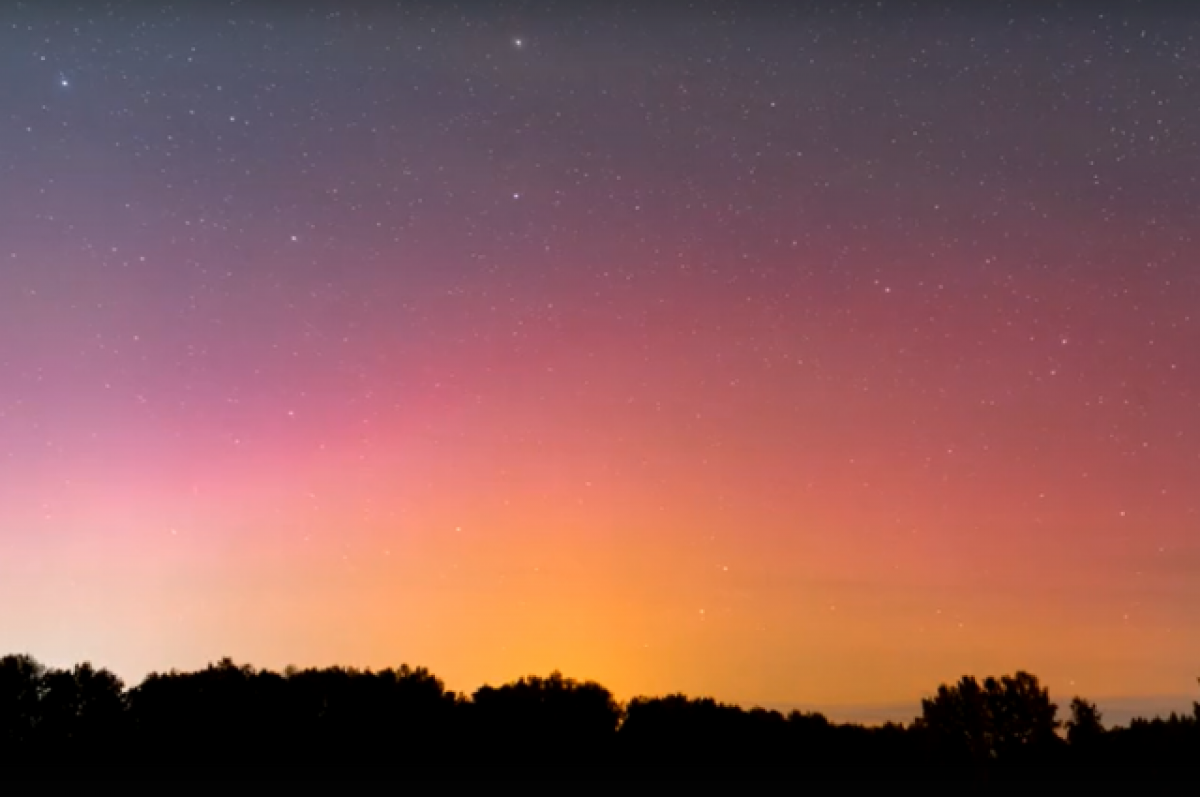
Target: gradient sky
x,y
786,353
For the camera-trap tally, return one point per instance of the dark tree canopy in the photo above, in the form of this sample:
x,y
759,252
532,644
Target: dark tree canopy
x,y
20,699
1084,727
231,728
998,719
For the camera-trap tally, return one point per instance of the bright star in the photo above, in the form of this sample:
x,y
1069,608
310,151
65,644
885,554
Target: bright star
x,y
519,42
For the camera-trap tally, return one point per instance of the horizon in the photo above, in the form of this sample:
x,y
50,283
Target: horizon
x,y
1115,709
823,353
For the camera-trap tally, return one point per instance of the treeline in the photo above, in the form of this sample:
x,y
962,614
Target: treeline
x,y
232,729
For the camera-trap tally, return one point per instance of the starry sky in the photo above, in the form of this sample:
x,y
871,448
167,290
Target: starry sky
x,y
790,353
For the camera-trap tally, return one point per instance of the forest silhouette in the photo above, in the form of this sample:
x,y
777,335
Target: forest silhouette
x,y
231,729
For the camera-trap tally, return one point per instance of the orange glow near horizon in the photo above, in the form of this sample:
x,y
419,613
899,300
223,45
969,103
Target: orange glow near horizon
x,y
749,549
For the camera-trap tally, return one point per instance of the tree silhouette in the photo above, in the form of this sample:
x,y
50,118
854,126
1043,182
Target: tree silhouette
x,y
80,709
1084,728
557,704
1004,726
233,729
1023,717
21,685
958,722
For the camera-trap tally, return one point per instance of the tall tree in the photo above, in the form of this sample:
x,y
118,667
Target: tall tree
x,y
22,680
1084,727
1004,719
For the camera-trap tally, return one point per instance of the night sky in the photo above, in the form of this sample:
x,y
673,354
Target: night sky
x,y
786,353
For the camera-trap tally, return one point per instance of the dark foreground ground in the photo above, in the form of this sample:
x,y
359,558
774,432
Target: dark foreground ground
x,y
468,781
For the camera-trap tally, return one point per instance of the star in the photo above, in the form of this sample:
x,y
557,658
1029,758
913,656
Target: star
x,y
518,42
